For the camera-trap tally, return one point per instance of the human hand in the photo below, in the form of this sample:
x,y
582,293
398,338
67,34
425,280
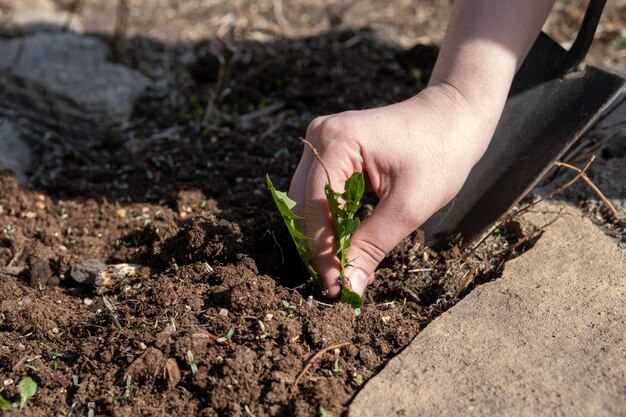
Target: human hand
x,y
415,156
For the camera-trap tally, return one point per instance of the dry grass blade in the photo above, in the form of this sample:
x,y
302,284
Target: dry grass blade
x,y
581,174
313,359
319,158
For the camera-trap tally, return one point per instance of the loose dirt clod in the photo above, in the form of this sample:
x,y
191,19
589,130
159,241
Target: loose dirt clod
x,y
101,276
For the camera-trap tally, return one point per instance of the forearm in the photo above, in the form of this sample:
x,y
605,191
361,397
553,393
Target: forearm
x,y
485,43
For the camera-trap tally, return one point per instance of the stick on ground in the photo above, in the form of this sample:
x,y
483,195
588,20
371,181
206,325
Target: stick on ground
x,y
313,359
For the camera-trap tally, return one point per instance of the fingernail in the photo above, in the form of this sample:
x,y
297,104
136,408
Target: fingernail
x,y
358,280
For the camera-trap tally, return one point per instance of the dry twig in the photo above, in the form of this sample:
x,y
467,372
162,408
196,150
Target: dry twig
x,y
319,158
121,26
581,174
313,359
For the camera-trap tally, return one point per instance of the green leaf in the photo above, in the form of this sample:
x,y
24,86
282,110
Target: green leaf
x,y
284,205
352,298
324,412
344,222
4,404
354,189
27,389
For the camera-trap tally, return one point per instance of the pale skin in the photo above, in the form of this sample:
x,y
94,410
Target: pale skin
x,y
416,154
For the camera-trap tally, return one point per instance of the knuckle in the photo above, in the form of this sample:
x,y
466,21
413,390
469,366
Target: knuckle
x,y
331,131
314,126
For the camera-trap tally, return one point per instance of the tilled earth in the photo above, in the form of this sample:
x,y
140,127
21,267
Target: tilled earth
x,y
220,319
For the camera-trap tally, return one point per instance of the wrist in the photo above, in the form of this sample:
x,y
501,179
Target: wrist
x,y
469,125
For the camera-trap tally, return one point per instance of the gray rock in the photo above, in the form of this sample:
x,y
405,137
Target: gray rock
x,y
15,154
546,339
67,75
88,271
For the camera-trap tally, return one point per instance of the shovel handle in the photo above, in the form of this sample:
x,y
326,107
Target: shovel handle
x,y
581,45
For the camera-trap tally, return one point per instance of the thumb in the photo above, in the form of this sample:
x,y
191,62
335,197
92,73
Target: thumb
x,y
390,222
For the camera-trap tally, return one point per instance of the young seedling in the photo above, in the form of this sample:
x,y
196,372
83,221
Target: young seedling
x,y
228,336
357,380
343,208
4,404
324,412
263,333
336,369
192,362
27,389
127,390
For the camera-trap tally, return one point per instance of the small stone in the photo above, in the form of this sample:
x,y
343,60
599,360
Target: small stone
x,y
21,347
223,312
268,317
55,330
121,212
7,382
142,346
87,301
386,319
40,205
30,214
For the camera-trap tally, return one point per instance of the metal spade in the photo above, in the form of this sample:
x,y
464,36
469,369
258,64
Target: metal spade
x,y
554,98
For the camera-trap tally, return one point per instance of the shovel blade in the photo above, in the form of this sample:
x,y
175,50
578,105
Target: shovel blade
x,y
543,116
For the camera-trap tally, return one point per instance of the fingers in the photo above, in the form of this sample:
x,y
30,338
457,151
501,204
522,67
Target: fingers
x,y
376,237
319,226
340,157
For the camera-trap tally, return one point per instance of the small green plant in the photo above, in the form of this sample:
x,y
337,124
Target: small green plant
x,y
357,380
248,411
324,412
228,336
263,333
192,362
288,305
4,404
336,369
343,208
127,390
27,389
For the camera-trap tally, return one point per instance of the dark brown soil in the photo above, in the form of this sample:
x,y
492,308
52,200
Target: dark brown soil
x,y
220,320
